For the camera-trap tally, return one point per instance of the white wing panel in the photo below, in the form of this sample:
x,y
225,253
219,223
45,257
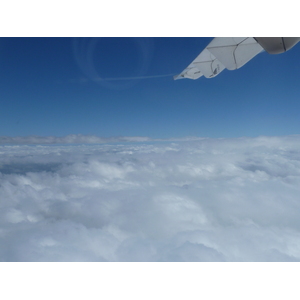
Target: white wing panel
x,y
190,72
233,53
208,64
204,64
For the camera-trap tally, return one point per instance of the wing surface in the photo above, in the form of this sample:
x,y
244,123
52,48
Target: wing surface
x,y
221,53
190,72
204,64
234,52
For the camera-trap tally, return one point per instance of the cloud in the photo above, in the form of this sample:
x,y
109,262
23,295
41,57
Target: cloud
x,y
69,139
193,199
83,139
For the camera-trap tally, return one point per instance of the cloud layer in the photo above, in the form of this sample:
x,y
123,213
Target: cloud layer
x,y
197,200
69,139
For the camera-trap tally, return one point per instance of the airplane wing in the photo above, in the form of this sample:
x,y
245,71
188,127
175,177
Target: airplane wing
x,y
205,64
232,53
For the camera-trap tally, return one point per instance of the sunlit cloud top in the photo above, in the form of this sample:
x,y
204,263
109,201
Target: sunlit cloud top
x,y
193,200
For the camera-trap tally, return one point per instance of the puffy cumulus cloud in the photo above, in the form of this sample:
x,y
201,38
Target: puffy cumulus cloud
x,y
188,200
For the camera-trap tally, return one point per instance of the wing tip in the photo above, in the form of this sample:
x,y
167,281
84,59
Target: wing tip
x,y
176,77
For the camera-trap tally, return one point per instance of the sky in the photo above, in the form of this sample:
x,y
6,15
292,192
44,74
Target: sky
x,y
55,87
105,158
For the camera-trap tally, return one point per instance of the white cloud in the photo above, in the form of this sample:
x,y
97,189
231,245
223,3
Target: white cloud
x,y
186,200
69,139
82,139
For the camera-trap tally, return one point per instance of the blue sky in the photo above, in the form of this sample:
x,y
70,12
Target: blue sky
x,y
49,86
